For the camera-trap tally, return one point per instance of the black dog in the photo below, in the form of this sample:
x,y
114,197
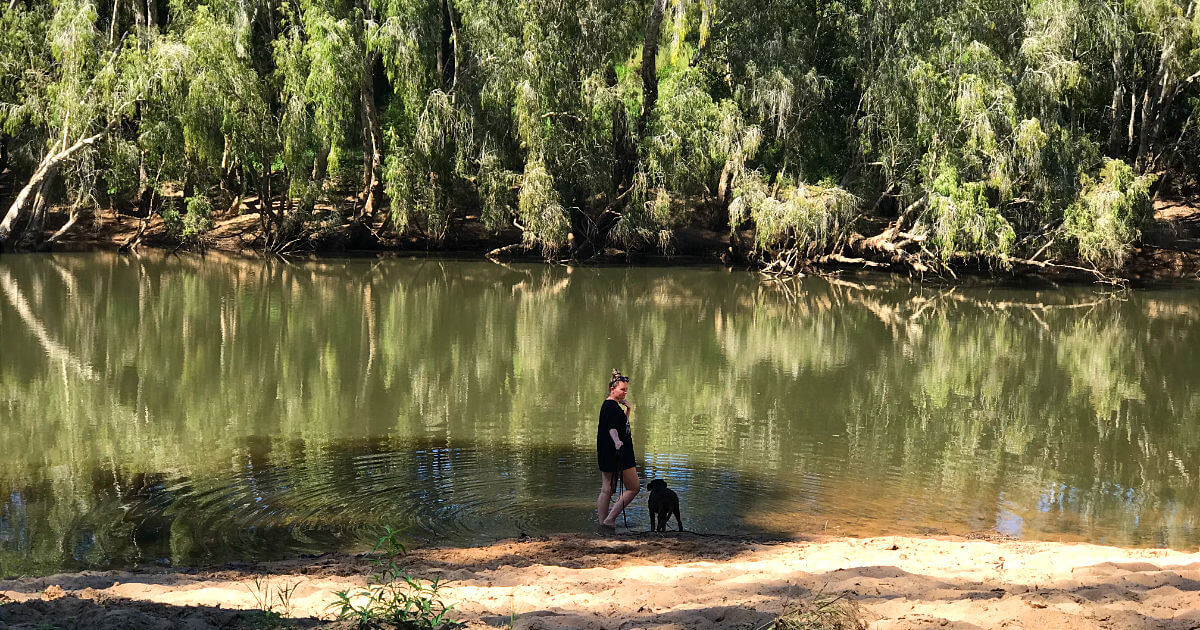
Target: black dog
x,y
663,503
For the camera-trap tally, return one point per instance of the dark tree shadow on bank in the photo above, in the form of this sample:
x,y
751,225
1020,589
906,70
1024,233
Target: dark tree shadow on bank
x,y
1132,595
110,613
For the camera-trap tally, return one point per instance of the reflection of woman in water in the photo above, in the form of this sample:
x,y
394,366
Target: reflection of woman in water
x,y
614,450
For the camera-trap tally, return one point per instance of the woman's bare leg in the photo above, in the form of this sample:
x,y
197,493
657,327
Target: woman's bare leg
x,y
606,492
632,486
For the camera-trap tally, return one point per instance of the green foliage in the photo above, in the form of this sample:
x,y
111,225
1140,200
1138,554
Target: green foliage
x,y
171,220
540,208
222,108
392,596
496,185
692,135
22,40
198,219
792,214
333,62
122,172
423,170
963,218
648,217
988,114
193,223
1109,213
273,600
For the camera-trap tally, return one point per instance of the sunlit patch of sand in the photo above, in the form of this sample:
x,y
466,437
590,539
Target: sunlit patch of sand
x,y
686,581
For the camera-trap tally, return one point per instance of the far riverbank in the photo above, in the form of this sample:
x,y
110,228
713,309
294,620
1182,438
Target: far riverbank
x,y
1170,248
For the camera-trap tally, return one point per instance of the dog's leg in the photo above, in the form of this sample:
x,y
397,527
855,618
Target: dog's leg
x,y
652,520
677,519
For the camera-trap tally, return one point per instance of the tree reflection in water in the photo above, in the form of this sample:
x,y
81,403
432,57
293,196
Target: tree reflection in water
x,y
192,409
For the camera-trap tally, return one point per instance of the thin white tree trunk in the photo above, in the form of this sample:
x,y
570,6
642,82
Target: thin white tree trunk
x,y
112,26
49,163
70,221
37,217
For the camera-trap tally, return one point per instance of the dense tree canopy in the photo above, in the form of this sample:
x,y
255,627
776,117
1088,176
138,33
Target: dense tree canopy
x,y
963,129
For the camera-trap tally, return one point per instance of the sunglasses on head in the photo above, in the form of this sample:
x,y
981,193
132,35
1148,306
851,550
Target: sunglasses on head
x,y
618,379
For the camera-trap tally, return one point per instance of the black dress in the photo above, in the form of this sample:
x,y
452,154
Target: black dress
x,y
613,417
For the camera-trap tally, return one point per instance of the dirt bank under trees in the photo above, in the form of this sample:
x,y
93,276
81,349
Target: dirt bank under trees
x,y
638,580
1171,248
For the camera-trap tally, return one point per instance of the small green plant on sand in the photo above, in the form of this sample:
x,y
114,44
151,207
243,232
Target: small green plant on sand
x,y
392,596
822,613
274,601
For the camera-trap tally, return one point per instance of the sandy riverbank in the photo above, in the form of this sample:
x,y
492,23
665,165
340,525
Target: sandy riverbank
x,y
668,581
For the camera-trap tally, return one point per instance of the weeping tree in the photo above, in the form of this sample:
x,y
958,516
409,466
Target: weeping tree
x,y
426,129
225,120
999,133
75,93
22,39
918,135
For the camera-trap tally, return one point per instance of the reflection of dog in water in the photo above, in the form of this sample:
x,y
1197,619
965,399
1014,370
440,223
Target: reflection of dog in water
x,y
663,503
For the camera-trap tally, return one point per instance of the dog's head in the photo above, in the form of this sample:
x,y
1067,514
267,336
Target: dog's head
x,y
657,484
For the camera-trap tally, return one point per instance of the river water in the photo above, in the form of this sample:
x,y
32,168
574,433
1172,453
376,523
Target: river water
x,y
179,410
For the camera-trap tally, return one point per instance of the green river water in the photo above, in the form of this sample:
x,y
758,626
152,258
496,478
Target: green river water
x,y
180,410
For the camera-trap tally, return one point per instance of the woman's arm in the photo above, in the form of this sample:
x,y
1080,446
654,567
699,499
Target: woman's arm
x,y
616,440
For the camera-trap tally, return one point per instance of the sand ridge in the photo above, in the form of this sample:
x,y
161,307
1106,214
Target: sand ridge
x,y
640,580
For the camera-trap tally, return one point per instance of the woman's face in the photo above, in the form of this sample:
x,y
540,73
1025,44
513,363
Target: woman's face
x,y
618,391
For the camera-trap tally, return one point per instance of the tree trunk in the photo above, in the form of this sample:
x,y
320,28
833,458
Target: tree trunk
x,y
236,207
1171,87
112,25
453,44
1132,118
1151,101
622,151
443,40
70,222
145,192
649,64
48,166
372,140
1161,184
321,163
1118,103
447,53
723,183
37,217
265,207
288,206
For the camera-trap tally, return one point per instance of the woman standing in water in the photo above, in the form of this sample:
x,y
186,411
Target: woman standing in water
x,y
614,451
